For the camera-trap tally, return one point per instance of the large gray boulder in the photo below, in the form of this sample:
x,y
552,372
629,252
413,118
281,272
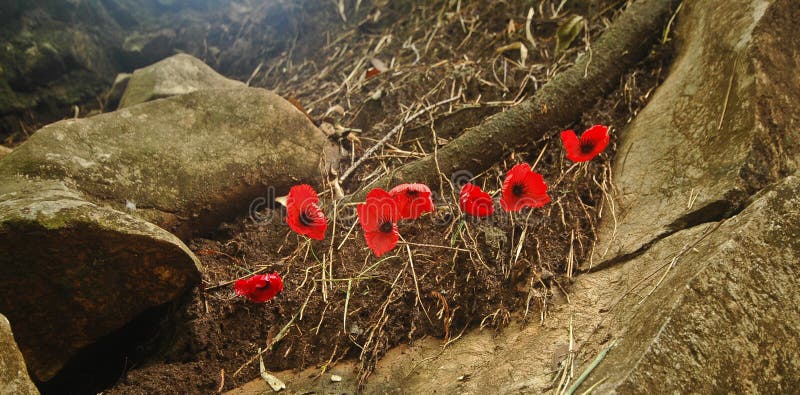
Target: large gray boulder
x,y
13,373
72,271
726,317
86,206
724,123
176,75
187,162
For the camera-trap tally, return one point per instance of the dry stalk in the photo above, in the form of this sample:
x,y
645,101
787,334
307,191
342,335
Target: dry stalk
x,y
389,135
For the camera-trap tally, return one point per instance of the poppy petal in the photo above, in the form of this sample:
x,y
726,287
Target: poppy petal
x,y
302,195
303,213
596,137
382,242
368,221
474,201
242,286
591,143
413,200
571,142
260,287
318,224
523,188
379,210
508,200
379,207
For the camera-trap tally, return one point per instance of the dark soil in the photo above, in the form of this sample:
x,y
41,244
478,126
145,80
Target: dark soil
x,y
449,274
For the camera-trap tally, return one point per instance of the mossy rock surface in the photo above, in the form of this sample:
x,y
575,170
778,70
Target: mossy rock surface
x,y
187,162
176,75
87,207
73,271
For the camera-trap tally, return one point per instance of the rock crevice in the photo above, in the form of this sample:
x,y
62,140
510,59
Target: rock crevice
x,y
708,140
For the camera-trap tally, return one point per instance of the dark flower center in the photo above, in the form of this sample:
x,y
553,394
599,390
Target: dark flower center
x,y
305,219
587,148
412,194
386,227
518,190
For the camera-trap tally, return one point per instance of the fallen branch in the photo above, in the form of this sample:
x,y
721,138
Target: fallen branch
x,y
369,152
559,103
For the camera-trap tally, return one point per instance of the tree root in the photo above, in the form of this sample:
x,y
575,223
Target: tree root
x,y
559,103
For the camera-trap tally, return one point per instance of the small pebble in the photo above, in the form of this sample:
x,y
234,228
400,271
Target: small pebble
x,y
336,378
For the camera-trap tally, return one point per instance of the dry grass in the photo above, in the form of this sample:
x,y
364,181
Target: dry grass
x,y
424,77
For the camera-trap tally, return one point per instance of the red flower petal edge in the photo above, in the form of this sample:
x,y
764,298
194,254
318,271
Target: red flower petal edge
x,y
412,200
522,188
303,213
260,287
592,142
475,201
378,217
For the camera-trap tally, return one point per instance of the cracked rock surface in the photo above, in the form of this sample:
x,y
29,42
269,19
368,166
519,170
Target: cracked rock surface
x,y
725,316
722,125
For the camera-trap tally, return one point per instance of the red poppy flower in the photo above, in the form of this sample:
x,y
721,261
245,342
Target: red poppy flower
x,y
378,217
260,287
412,200
522,188
303,213
475,201
592,142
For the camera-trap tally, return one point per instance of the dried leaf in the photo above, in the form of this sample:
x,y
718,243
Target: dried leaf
x,y
337,188
378,65
511,28
528,34
328,129
274,383
331,157
509,47
567,32
340,8
337,109
353,138
523,50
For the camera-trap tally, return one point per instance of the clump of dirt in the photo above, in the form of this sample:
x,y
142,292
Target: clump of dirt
x,y
448,273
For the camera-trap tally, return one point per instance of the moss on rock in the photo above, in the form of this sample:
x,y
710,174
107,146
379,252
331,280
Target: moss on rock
x,y
74,271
